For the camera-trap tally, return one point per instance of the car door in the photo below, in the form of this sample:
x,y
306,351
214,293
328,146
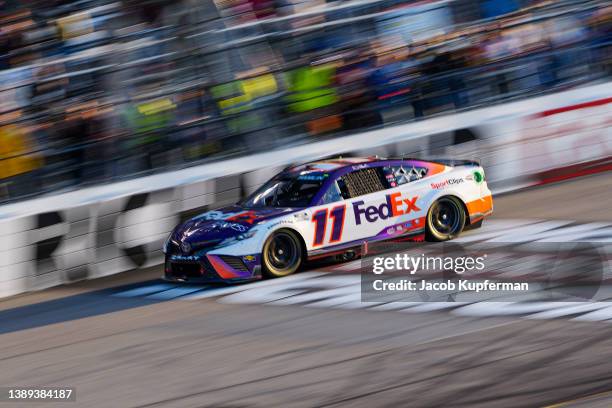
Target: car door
x,y
349,211
366,203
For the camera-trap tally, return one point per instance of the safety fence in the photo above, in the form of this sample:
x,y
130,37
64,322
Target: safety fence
x,y
121,136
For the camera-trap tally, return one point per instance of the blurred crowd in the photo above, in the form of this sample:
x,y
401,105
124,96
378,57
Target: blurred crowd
x,y
96,90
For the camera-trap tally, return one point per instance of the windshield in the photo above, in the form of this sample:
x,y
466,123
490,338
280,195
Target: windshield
x,y
285,191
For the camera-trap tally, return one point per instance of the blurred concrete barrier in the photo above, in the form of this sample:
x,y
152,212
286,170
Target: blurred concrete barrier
x,y
105,230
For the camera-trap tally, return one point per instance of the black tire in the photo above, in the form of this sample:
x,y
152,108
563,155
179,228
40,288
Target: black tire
x,y
282,254
445,219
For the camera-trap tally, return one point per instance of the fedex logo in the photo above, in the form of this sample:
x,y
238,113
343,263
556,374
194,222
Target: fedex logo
x,y
393,206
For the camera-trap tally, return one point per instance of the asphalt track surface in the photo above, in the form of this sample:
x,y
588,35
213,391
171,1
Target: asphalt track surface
x,y
130,341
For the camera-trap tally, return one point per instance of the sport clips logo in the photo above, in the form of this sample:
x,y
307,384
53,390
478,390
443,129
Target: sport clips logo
x,y
448,182
393,206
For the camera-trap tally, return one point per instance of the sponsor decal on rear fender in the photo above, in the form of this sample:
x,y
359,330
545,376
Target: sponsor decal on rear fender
x,y
446,183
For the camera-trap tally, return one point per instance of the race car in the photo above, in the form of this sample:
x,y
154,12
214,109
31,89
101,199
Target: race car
x,y
328,208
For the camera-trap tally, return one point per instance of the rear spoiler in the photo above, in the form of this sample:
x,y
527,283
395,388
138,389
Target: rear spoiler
x,y
455,163
445,162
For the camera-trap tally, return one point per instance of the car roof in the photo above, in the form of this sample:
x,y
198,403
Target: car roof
x,y
330,165
337,164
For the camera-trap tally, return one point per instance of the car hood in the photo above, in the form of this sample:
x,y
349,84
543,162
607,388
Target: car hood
x,y
210,228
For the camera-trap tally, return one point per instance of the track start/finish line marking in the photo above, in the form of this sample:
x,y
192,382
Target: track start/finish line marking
x,y
339,286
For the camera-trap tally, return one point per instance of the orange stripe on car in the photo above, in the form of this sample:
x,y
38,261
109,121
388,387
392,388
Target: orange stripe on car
x,y
482,206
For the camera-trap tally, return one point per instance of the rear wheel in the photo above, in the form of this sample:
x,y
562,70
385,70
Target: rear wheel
x,y
445,219
282,254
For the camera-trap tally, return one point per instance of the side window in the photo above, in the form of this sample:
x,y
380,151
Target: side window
x,y
405,175
344,192
361,182
333,194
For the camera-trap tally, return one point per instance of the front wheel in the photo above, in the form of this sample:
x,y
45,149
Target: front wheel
x,y
282,254
445,219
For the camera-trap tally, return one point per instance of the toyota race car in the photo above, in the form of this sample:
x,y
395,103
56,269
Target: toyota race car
x,y
327,208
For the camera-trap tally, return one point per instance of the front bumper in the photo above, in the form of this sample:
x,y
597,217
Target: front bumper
x,y
210,268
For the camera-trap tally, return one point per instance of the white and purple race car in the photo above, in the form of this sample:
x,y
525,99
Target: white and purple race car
x,y
328,208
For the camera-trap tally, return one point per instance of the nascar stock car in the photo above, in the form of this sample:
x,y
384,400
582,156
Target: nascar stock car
x,y
327,208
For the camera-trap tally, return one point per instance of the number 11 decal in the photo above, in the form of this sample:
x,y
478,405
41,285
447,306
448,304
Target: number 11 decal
x,y
320,220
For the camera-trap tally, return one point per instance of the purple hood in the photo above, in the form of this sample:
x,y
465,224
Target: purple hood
x,y
210,228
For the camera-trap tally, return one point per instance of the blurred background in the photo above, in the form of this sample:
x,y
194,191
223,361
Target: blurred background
x,y
99,91
93,91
